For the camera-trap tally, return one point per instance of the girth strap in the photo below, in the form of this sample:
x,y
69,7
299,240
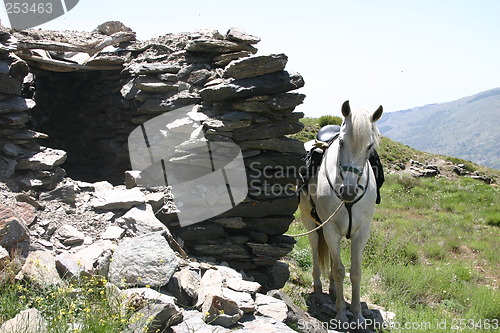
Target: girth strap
x,y
348,206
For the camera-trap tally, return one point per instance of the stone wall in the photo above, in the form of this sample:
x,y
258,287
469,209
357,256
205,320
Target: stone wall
x,y
24,162
88,115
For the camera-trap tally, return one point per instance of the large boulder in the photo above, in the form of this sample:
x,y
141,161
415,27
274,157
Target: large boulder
x,y
145,260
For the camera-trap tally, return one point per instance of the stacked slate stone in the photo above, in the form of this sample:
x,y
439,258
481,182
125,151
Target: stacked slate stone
x,y
244,99
238,97
23,161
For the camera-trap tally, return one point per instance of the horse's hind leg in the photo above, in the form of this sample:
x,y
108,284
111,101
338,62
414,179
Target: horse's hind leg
x,y
332,281
309,224
316,270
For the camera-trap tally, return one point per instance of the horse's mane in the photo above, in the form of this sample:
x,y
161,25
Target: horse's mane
x,y
363,131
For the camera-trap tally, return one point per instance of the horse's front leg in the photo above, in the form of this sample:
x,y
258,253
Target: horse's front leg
x,y
358,243
338,271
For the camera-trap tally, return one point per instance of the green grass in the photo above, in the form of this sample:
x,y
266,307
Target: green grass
x,y
433,252
82,306
311,127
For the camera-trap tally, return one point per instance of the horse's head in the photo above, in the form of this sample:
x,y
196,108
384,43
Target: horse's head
x,y
358,136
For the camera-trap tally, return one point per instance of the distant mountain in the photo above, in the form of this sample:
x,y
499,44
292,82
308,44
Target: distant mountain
x,y
467,128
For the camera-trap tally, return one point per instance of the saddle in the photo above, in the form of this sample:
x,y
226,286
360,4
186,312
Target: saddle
x,y
326,133
315,151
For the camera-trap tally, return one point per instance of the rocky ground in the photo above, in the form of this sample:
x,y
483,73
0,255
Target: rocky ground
x,y
81,229
436,166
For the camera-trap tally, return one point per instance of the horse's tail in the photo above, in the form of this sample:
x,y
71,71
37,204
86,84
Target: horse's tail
x,y
323,253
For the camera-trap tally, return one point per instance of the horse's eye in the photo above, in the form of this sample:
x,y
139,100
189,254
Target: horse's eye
x,y
370,147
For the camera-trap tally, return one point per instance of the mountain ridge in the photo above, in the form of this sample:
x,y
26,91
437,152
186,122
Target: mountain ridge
x,y
466,128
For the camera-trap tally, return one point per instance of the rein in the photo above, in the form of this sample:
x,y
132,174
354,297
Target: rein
x,y
320,225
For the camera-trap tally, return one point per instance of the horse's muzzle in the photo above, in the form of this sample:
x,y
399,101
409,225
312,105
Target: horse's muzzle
x,y
348,192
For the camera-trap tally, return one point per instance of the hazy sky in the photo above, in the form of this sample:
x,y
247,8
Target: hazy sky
x,y
398,53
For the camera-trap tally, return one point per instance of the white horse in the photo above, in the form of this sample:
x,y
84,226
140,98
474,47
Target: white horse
x,y
344,177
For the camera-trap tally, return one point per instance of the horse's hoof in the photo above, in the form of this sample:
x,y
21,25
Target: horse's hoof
x,y
341,317
359,322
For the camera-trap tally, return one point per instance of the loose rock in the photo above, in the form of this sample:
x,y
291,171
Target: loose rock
x,y
155,311
40,268
118,199
271,307
143,260
13,229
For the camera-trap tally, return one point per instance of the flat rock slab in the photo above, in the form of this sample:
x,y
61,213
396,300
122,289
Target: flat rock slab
x,y
255,66
193,322
117,199
40,268
250,324
44,159
218,46
143,260
16,104
69,235
239,35
113,232
89,260
271,307
27,321
274,83
141,220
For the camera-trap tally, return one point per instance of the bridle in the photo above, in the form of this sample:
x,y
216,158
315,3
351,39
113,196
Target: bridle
x,y
347,168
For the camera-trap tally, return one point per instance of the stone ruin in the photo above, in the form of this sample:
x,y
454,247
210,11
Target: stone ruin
x,y
69,100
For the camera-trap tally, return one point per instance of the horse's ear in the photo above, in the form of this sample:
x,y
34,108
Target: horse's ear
x,y
346,109
377,114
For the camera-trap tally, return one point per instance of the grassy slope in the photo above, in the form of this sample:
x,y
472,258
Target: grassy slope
x,y
432,255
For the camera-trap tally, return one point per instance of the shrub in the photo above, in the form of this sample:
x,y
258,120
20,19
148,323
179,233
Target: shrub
x,y
493,218
303,257
408,182
329,120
